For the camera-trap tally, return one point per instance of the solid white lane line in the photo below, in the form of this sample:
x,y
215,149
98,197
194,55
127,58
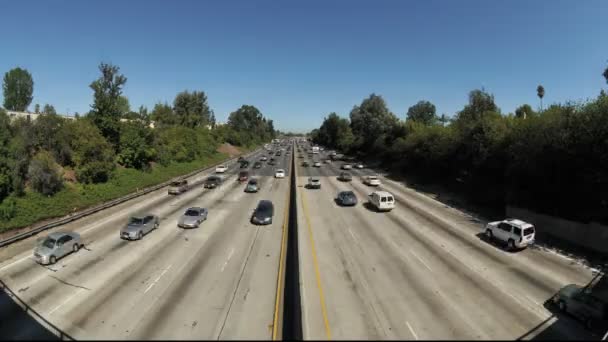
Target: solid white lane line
x,y
227,260
353,235
157,279
421,260
15,262
411,330
66,301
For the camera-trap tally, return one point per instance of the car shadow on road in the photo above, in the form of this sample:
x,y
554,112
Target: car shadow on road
x,y
18,321
369,206
500,246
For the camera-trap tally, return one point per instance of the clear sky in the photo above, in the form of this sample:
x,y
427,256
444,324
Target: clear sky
x,y
299,61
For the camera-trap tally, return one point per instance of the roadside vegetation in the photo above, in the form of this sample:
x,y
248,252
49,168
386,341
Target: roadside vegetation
x,y
53,165
551,160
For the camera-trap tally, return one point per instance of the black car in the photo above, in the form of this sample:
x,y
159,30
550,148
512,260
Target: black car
x,y
240,159
271,161
263,213
257,165
347,198
213,182
244,164
305,164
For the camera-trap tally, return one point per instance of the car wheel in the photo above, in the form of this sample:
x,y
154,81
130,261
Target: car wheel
x,y
511,245
156,225
52,260
75,248
489,234
140,235
562,306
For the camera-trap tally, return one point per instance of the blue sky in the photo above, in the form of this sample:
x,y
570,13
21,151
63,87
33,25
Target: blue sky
x,y
299,61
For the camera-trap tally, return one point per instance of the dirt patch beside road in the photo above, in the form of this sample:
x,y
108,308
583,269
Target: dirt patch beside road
x,y
229,150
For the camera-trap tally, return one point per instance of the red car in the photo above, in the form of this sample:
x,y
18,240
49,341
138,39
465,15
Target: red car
x,y
243,176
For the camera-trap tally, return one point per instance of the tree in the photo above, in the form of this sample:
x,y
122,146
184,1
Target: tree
x,y
480,102
423,112
370,120
135,148
524,111
93,156
443,119
176,144
48,133
5,156
162,115
250,126
123,105
192,109
106,108
45,175
540,92
48,109
605,74
37,108
18,88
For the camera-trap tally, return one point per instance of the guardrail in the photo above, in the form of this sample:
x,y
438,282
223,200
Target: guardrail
x,y
111,203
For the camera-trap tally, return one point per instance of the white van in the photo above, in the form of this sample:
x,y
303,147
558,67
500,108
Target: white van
x,y
382,200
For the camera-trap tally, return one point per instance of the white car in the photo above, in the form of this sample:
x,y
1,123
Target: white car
x,y
347,167
359,166
221,169
264,158
317,164
516,233
382,200
371,180
280,173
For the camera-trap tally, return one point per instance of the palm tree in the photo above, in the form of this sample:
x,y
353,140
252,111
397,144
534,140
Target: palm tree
x,y
540,91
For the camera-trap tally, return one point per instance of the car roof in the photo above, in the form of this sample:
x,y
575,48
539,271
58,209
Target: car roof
x,y
280,170
346,192
519,223
195,208
264,202
57,235
313,178
383,193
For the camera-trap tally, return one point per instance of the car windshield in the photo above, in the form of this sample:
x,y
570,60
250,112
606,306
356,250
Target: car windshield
x,y
191,212
176,183
49,243
528,231
136,221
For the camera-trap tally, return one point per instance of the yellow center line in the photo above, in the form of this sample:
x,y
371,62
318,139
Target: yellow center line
x,y
275,324
317,272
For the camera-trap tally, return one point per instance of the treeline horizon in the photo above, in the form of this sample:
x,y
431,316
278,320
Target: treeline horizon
x,y
553,161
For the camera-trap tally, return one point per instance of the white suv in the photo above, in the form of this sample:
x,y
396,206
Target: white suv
x,y
221,169
516,233
280,173
382,200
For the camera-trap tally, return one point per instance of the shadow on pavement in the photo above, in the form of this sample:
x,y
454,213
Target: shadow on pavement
x,y
18,321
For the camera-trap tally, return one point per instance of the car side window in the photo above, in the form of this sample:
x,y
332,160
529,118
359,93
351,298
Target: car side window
x,y
383,199
505,227
517,231
62,240
147,219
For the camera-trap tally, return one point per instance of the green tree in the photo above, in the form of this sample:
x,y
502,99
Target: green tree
x,y
524,111
93,156
49,109
250,126
48,133
37,108
135,148
21,148
371,120
5,156
106,108
176,144
423,112
192,109
480,102
540,92
123,106
163,116
605,74
18,88
45,175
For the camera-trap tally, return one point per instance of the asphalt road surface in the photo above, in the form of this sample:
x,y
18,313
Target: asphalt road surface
x,y
418,272
421,271
218,281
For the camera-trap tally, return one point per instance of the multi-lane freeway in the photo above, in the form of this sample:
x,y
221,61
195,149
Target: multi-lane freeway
x,y
420,271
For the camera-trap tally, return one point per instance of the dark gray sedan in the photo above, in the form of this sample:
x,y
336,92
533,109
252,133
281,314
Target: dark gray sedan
x,y
138,226
263,213
582,304
192,218
345,177
347,198
57,245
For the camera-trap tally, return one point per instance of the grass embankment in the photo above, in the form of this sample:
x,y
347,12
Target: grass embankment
x,y
34,207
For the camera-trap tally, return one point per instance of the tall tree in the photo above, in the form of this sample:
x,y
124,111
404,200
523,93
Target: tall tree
x,y
423,112
443,119
37,108
192,109
371,120
524,111
106,111
48,109
18,88
540,92
480,103
123,105
162,115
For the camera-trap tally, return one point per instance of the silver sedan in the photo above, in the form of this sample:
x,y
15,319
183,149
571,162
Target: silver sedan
x,y
192,218
139,226
57,245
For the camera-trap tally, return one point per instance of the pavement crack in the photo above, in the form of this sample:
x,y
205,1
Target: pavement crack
x,y
70,284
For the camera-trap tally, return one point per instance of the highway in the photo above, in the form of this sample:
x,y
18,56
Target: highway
x,y
418,272
421,271
218,281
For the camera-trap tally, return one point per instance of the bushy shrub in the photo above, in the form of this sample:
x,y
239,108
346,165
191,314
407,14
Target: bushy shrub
x,y
44,174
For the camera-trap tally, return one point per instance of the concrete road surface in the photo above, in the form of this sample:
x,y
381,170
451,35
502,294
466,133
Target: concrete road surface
x,y
216,281
417,272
